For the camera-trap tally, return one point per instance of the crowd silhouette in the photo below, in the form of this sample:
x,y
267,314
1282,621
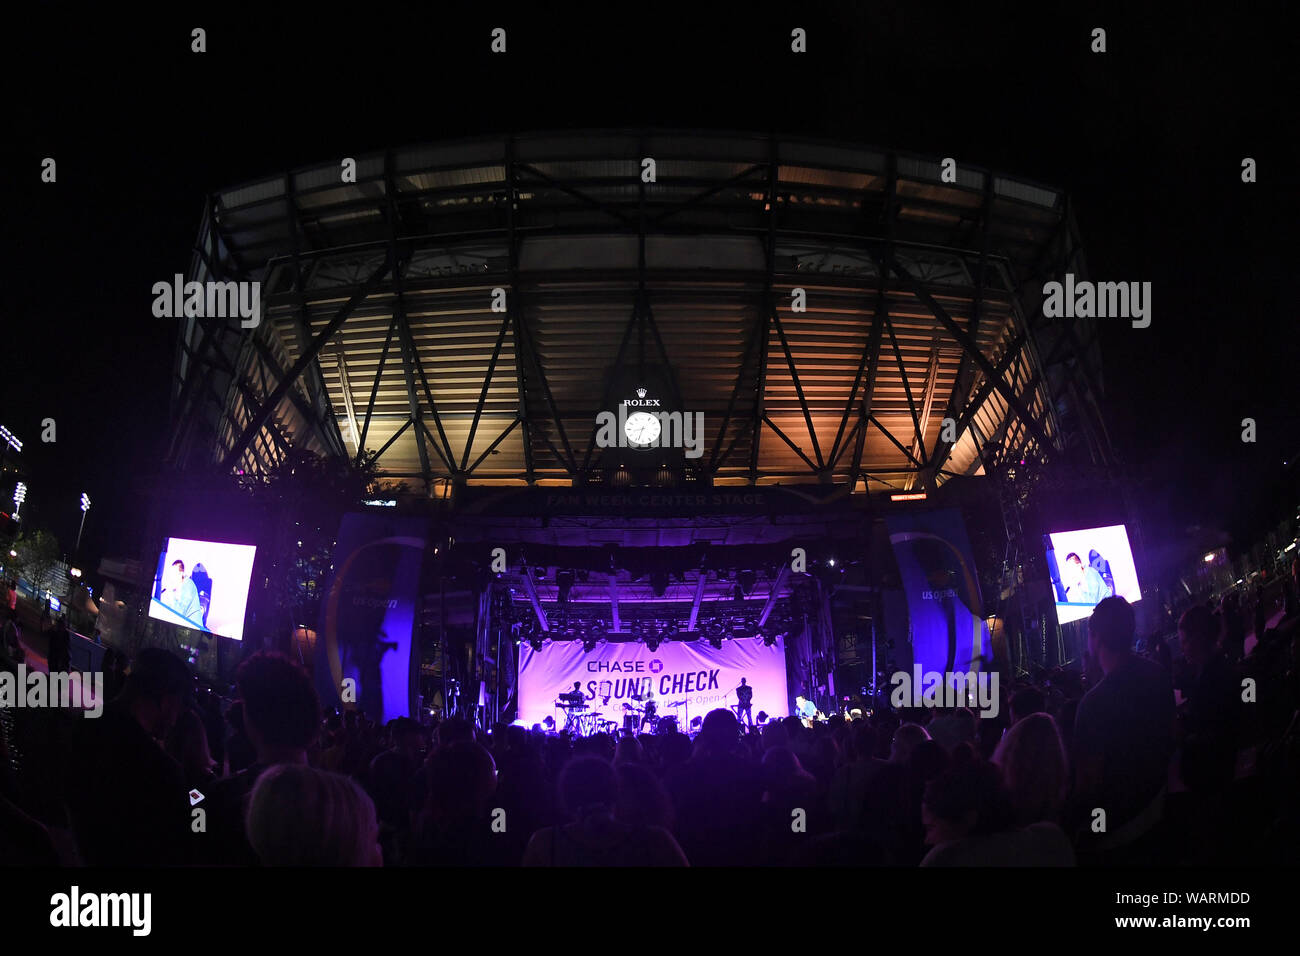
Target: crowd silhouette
x,y
1183,754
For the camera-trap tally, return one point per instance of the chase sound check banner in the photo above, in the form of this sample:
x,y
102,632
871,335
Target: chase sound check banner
x,y
367,624
942,589
689,679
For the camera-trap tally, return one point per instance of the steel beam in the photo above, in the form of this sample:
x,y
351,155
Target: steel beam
x,y
774,594
304,360
972,348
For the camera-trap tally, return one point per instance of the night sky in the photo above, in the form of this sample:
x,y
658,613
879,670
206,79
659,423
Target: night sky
x,y
1148,137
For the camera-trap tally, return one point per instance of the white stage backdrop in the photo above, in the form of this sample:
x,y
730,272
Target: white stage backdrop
x,y
693,676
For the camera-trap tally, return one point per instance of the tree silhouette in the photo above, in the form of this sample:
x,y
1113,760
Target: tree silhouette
x,y
38,555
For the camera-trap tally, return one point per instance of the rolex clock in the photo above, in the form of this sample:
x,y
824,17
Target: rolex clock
x,y
641,428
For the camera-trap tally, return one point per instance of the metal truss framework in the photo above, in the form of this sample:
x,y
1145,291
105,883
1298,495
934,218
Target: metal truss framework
x,y
380,337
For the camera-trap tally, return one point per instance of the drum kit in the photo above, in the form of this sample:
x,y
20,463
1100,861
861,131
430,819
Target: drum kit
x,y
581,721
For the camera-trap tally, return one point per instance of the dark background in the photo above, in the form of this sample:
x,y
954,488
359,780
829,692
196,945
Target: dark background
x,y
1148,138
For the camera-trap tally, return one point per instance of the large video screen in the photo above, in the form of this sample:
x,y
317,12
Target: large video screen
x,y
1087,566
203,585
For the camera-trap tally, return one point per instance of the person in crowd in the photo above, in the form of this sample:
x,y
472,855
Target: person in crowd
x,y
187,744
848,791
24,840
595,837
970,820
456,826
239,749
1026,701
906,739
1209,718
1123,735
954,728
11,648
642,799
790,794
1032,759
60,647
718,795
1233,638
126,796
300,816
391,782
629,750
280,714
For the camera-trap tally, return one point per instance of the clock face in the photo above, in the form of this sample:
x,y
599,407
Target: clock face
x,y
642,428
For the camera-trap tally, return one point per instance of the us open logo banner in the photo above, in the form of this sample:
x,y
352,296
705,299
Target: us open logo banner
x,y
688,679
368,615
934,562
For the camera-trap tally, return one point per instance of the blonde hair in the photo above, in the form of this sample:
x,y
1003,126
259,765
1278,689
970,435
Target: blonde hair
x,y
1032,758
300,816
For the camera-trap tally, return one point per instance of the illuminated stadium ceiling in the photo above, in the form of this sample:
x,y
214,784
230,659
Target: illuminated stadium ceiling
x,y
923,301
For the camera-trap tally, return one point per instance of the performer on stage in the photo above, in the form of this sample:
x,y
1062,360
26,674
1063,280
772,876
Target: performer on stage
x,y
576,700
805,708
651,708
745,698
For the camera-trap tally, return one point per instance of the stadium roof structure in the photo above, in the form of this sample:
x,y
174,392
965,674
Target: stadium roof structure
x,y
379,337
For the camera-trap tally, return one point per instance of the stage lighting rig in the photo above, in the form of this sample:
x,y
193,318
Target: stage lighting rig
x,y
659,582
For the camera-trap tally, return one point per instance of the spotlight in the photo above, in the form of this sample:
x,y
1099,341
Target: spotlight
x,y
564,579
659,582
746,580
715,642
588,644
535,643
652,642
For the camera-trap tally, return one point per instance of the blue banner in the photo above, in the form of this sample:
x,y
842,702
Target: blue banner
x,y
366,645
942,590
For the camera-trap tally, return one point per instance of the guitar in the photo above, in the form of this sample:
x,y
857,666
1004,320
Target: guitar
x,y
809,721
